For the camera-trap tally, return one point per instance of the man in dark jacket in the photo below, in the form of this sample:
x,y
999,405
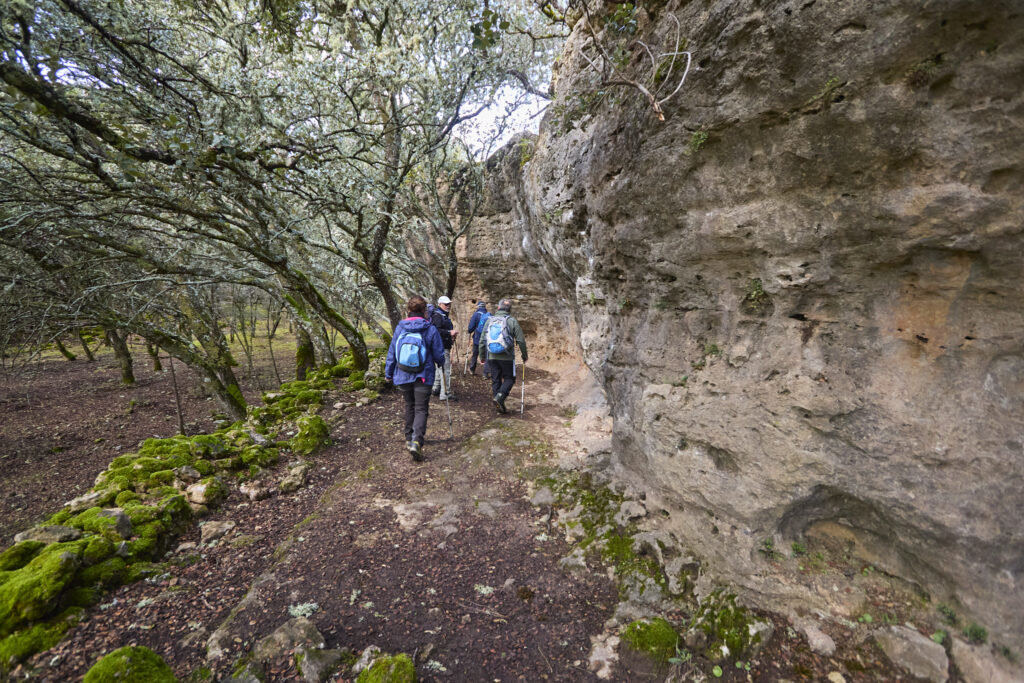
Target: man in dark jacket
x,y
415,384
502,361
476,328
440,319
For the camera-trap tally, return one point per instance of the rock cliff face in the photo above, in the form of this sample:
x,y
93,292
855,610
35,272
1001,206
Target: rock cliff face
x,y
803,292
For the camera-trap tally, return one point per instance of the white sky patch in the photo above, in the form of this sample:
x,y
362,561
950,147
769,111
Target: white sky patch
x,y
512,112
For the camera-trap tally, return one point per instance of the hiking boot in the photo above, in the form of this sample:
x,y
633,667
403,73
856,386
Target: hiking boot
x,y
416,450
500,401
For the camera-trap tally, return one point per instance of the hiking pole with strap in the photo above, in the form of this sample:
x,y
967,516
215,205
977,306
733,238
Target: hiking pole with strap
x,y
522,393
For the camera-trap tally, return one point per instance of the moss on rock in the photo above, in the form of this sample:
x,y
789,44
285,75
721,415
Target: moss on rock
x,y
727,625
19,646
109,573
656,638
131,665
30,593
312,434
126,497
19,554
393,669
97,549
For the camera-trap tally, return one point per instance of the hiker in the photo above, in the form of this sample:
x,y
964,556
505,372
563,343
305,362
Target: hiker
x,y
477,322
415,349
439,318
498,346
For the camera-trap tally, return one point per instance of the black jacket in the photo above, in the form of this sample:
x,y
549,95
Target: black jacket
x,y
444,325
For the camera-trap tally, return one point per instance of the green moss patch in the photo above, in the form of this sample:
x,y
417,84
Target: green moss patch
x,y
655,638
19,554
131,665
312,434
394,669
727,625
598,506
19,646
31,593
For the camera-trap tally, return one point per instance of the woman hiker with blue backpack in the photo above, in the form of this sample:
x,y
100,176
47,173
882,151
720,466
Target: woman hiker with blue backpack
x,y
415,349
500,336
477,322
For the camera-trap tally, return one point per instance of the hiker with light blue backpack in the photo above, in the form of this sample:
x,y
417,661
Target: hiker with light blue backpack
x,y
415,349
477,323
500,336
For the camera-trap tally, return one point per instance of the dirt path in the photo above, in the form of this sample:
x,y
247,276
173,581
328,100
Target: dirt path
x,y
446,559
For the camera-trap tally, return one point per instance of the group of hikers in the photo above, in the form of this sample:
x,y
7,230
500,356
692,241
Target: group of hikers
x,y
419,358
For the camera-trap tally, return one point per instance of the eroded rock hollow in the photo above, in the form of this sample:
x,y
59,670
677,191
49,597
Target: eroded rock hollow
x,y
802,292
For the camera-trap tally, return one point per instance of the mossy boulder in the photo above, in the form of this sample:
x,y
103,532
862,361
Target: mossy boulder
x,y
21,645
97,549
131,665
30,593
308,398
357,385
126,497
19,554
655,638
393,669
731,629
109,573
257,455
209,491
207,446
312,434
160,478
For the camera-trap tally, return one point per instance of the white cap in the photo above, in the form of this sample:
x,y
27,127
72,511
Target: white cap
x,y
443,300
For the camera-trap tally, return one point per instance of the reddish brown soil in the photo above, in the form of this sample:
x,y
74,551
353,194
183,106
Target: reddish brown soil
x,y
62,422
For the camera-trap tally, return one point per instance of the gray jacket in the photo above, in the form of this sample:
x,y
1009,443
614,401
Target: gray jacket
x,y
517,337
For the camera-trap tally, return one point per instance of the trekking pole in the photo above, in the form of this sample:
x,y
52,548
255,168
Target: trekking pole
x,y
522,393
451,431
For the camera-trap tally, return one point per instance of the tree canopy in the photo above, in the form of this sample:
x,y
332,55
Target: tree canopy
x,y
152,150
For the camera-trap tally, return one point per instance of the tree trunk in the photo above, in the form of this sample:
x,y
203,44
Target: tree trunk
x,y
123,355
305,359
63,349
324,347
229,395
154,353
85,346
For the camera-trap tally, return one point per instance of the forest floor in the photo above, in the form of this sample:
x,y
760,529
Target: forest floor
x,y
445,560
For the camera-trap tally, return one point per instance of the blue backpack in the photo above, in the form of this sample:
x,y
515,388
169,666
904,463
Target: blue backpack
x,y
482,322
411,352
499,339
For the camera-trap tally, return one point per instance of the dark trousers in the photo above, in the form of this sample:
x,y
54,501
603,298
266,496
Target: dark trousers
x,y
472,360
417,405
503,376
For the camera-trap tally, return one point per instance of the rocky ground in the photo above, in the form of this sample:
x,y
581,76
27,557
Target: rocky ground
x,y
445,560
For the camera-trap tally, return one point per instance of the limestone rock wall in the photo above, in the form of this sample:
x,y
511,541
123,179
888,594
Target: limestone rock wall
x,y
803,292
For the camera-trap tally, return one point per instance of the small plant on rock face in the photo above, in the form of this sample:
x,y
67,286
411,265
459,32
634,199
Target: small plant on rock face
x,y
767,548
798,548
757,302
948,614
976,633
697,140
